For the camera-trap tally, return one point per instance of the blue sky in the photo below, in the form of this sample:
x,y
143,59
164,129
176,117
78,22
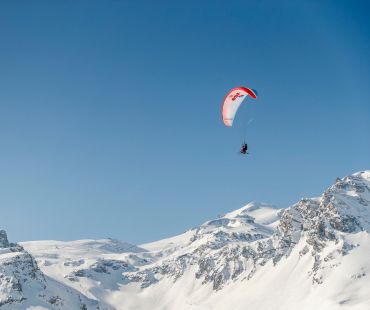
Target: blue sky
x,y
110,111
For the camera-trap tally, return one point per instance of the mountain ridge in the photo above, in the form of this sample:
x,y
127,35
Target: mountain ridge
x,y
309,255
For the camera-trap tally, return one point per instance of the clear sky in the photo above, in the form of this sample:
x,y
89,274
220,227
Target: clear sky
x,y
110,119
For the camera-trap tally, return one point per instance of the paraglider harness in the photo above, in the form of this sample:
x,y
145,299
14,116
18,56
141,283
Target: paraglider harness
x,y
244,149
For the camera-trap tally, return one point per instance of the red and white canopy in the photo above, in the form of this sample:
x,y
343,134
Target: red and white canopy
x,y
232,102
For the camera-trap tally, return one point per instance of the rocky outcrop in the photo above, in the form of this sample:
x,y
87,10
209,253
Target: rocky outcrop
x,y
4,243
22,283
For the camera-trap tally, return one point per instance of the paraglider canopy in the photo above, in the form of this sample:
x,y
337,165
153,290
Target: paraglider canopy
x,y
232,102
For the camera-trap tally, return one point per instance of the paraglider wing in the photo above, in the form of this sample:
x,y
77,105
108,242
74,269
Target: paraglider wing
x,y
232,102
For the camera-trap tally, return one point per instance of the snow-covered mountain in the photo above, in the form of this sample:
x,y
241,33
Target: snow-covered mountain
x,y
312,255
24,286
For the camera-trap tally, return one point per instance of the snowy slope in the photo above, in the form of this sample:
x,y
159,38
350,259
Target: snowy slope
x,y
24,286
314,254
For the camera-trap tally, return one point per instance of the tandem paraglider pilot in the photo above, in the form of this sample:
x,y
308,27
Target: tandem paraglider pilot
x,y
244,149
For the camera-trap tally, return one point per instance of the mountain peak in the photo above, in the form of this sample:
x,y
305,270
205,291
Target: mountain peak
x,y
363,174
262,213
